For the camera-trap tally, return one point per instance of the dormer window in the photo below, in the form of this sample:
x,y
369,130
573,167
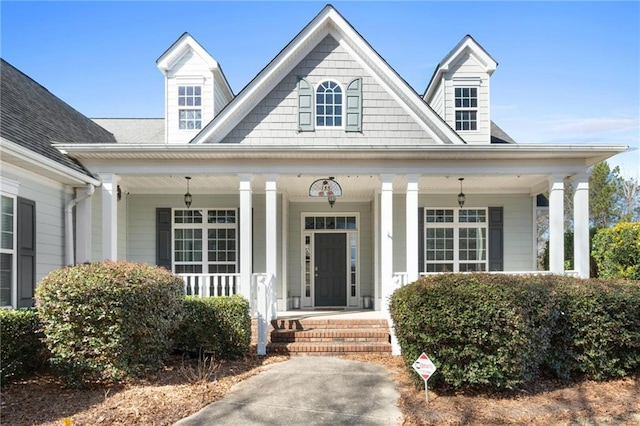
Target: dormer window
x,y
329,105
466,99
190,107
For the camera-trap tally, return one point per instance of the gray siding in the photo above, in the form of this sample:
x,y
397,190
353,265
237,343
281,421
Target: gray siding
x,y
50,199
518,225
274,120
96,226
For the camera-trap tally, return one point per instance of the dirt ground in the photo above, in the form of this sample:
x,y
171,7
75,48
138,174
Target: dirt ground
x,y
177,391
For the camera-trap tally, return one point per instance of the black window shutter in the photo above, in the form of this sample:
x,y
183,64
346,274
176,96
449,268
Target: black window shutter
x,y
26,252
496,239
420,239
163,237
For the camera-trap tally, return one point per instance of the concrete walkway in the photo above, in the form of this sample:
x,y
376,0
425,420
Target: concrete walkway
x,y
307,391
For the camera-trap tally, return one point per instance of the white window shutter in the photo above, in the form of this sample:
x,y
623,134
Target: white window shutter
x,y
354,106
305,106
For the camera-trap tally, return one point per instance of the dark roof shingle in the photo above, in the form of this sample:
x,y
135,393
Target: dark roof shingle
x,y
33,117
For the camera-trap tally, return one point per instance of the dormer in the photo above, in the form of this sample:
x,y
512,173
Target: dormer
x,y
196,89
459,91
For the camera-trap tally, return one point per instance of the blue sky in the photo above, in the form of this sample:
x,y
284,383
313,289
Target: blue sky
x,y
569,72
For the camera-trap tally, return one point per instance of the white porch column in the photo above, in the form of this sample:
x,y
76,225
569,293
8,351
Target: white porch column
x,y
412,228
246,233
109,216
271,225
556,224
83,228
271,244
581,226
386,241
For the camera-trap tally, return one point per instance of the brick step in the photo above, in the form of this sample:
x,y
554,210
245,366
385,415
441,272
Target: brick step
x,y
329,348
310,323
331,335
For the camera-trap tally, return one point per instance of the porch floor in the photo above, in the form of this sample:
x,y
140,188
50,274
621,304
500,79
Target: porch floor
x,y
331,313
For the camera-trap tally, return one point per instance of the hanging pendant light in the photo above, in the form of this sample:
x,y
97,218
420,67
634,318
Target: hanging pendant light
x,y
187,196
461,197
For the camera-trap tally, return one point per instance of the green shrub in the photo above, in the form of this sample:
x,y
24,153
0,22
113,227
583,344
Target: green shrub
x,y
21,348
617,251
503,331
597,333
108,320
216,325
480,330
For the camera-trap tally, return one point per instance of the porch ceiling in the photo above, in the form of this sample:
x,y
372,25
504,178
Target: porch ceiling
x,y
355,187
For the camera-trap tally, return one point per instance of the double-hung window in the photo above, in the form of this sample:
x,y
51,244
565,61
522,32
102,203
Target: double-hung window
x,y
190,107
466,101
205,241
455,240
7,250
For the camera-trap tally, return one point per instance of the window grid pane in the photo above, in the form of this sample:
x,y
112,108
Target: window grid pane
x,y
330,222
466,103
329,105
455,240
212,242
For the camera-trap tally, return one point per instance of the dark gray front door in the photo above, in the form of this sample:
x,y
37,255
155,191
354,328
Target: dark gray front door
x,y
331,269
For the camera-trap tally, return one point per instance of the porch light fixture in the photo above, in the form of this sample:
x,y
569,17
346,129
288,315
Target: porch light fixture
x,y
327,187
187,196
461,197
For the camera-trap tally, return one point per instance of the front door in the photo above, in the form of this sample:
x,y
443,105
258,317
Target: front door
x,y
330,269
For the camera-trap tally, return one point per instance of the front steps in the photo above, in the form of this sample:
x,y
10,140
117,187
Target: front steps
x,y
333,337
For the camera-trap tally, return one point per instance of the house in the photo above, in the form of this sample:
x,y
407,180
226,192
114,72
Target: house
x,y
327,175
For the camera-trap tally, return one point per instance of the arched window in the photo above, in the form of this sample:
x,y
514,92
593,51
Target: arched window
x,y
329,105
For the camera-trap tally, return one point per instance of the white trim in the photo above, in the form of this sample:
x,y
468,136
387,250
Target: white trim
x,y
13,251
351,301
456,225
343,94
204,226
38,161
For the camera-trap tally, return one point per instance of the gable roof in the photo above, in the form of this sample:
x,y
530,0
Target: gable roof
x,y
33,118
186,43
467,44
327,22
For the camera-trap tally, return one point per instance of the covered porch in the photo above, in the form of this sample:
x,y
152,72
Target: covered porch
x,y
255,216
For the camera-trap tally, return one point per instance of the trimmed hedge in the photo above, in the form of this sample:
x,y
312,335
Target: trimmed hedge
x,y
617,251
108,320
216,325
505,331
21,348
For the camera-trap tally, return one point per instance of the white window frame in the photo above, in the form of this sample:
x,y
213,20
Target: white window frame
x,y
466,109
193,108
342,106
352,301
205,227
13,252
456,225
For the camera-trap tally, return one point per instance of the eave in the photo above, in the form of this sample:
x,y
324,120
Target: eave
x,y
589,154
17,155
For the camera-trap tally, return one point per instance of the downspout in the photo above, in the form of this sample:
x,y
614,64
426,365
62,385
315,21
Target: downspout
x,y
68,210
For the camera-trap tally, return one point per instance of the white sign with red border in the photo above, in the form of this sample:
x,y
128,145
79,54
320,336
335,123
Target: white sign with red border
x,y
425,368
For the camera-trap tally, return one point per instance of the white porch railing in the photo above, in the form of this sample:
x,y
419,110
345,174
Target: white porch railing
x,y
209,285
